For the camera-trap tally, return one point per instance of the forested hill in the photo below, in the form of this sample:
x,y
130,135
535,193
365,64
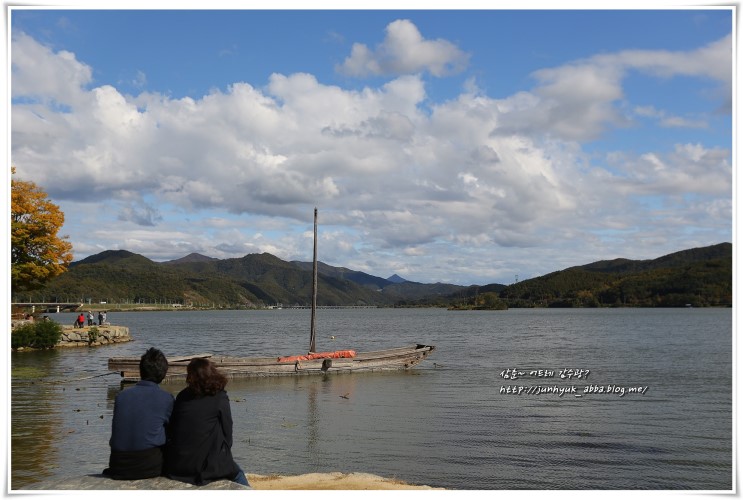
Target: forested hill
x,y
721,251
697,277
255,280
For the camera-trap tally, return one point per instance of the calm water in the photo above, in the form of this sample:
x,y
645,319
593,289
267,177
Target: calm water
x,y
446,424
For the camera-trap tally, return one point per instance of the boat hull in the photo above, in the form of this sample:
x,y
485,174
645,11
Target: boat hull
x,y
402,358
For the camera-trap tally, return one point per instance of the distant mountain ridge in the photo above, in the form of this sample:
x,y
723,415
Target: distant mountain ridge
x,y
342,273
111,257
721,250
695,277
192,257
254,280
698,276
396,279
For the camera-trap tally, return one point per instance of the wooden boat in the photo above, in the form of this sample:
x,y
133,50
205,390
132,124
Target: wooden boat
x,y
234,367
312,363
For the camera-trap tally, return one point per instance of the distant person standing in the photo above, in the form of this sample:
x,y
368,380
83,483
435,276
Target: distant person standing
x,y
90,318
100,318
104,317
141,414
80,322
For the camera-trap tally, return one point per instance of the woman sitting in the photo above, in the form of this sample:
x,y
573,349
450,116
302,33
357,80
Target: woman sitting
x,y
199,448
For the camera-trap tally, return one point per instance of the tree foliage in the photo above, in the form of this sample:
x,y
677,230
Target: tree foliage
x,y
39,335
697,277
488,301
38,254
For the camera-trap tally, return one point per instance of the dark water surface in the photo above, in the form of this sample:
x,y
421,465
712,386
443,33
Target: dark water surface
x,y
450,423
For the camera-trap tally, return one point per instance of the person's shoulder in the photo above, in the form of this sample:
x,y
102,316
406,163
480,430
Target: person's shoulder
x,y
147,384
151,387
128,393
185,395
164,394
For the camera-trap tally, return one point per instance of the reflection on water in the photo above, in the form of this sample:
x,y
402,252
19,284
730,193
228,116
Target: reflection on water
x,y
444,424
34,417
313,419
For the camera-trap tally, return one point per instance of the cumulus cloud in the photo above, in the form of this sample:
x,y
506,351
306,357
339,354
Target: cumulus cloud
x,y
61,79
399,183
711,61
404,51
577,101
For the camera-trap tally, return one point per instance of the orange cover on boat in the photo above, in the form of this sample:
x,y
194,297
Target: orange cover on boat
x,y
318,355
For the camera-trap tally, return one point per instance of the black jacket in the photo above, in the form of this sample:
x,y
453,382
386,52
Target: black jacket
x,y
199,444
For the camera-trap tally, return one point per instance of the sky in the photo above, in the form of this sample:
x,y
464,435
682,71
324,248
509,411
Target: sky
x,y
467,146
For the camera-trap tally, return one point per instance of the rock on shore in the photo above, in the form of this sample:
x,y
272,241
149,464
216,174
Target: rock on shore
x,y
92,336
312,481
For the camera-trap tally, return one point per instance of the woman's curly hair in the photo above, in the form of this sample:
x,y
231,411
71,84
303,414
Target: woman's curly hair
x,y
203,377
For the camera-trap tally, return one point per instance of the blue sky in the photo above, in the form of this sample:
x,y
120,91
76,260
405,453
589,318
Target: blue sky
x,y
464,146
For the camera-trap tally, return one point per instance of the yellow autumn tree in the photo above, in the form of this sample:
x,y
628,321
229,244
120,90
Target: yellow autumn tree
x,y
37,253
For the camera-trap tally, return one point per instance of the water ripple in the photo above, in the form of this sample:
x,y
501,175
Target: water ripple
x,y
445,424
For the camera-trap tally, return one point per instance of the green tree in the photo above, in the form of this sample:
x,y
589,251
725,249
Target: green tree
x,y
39,335
38,254
490,300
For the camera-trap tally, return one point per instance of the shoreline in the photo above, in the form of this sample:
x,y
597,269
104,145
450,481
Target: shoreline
x,y
309,481
332,481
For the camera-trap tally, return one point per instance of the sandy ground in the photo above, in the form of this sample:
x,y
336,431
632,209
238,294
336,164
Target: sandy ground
x,y
330,481
313,481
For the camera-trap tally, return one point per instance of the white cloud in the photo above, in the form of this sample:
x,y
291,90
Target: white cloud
x,y
711,61
577,101
670,121
39,73
404,51
403,184
690,168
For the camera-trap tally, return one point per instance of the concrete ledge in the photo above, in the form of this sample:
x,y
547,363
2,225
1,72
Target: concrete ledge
x,y
106,334
87,336
312,481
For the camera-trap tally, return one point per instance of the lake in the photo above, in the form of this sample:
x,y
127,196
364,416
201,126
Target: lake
x,y
602,398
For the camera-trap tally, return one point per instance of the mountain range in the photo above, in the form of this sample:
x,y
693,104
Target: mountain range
x,y
699,276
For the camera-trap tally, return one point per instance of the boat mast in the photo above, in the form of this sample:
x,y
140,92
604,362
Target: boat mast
x,y
314,288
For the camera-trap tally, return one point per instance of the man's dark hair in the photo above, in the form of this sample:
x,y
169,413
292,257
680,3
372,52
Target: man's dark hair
x,y
153,365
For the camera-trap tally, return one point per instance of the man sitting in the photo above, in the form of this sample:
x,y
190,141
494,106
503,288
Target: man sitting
x,y
141,414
